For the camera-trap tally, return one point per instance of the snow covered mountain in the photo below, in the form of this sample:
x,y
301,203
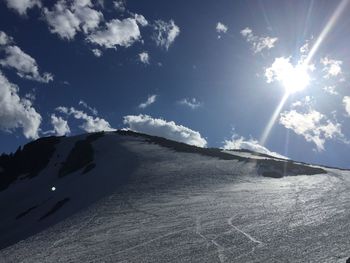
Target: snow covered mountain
x,y
128,197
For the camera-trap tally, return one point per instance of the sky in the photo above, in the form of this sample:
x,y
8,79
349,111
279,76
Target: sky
x,y
264,75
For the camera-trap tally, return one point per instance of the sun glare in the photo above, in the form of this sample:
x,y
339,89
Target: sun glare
x,y
295,78
292,78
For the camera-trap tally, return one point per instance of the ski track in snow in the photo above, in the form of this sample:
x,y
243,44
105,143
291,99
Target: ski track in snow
x,y
143,244
188,207
244,233
220,249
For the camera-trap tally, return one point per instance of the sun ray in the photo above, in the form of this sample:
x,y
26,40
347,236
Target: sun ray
x,y
308,17
272,120
331,22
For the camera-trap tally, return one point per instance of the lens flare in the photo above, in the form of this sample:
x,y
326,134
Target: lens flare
x,y
293,78
297,78
272,120
330,24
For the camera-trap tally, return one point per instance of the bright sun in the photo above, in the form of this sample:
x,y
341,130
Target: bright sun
x,y
295,78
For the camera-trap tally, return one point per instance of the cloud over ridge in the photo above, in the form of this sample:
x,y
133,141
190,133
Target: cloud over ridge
x,y
167,129
240,143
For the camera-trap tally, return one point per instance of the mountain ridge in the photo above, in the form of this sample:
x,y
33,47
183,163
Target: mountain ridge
x,y
52,140
116,194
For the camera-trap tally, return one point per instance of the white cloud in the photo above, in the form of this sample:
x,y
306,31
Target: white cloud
x,y
159,127
305,103
25,65
192,103
332,68
97,52
221,28
4,39
141,20
277,70
238,143
312,125
21,6
66,20
16,112
346,103
144,57
166,33
62,21
88,17
120,5
90,123
331,90
304,49
150,100
60,126
117,33
85,105
30,96
258,43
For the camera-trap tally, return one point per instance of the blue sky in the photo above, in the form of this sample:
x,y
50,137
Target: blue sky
x,y
208,73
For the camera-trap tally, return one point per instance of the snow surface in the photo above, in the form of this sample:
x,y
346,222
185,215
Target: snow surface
x,y
147,203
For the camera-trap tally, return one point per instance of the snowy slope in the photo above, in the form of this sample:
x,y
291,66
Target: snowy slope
x,y
127,197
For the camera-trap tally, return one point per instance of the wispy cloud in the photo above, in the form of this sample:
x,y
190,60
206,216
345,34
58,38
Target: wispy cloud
x,y
304,49
21,6
239,142
5,39
92,109
141,20
167,129
332,67
90,123
192,103
304,103
24,64
144,57
97,52
165,33
120,5
312,125
150,100
330,90
346,103
221,28
117,33
258,43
